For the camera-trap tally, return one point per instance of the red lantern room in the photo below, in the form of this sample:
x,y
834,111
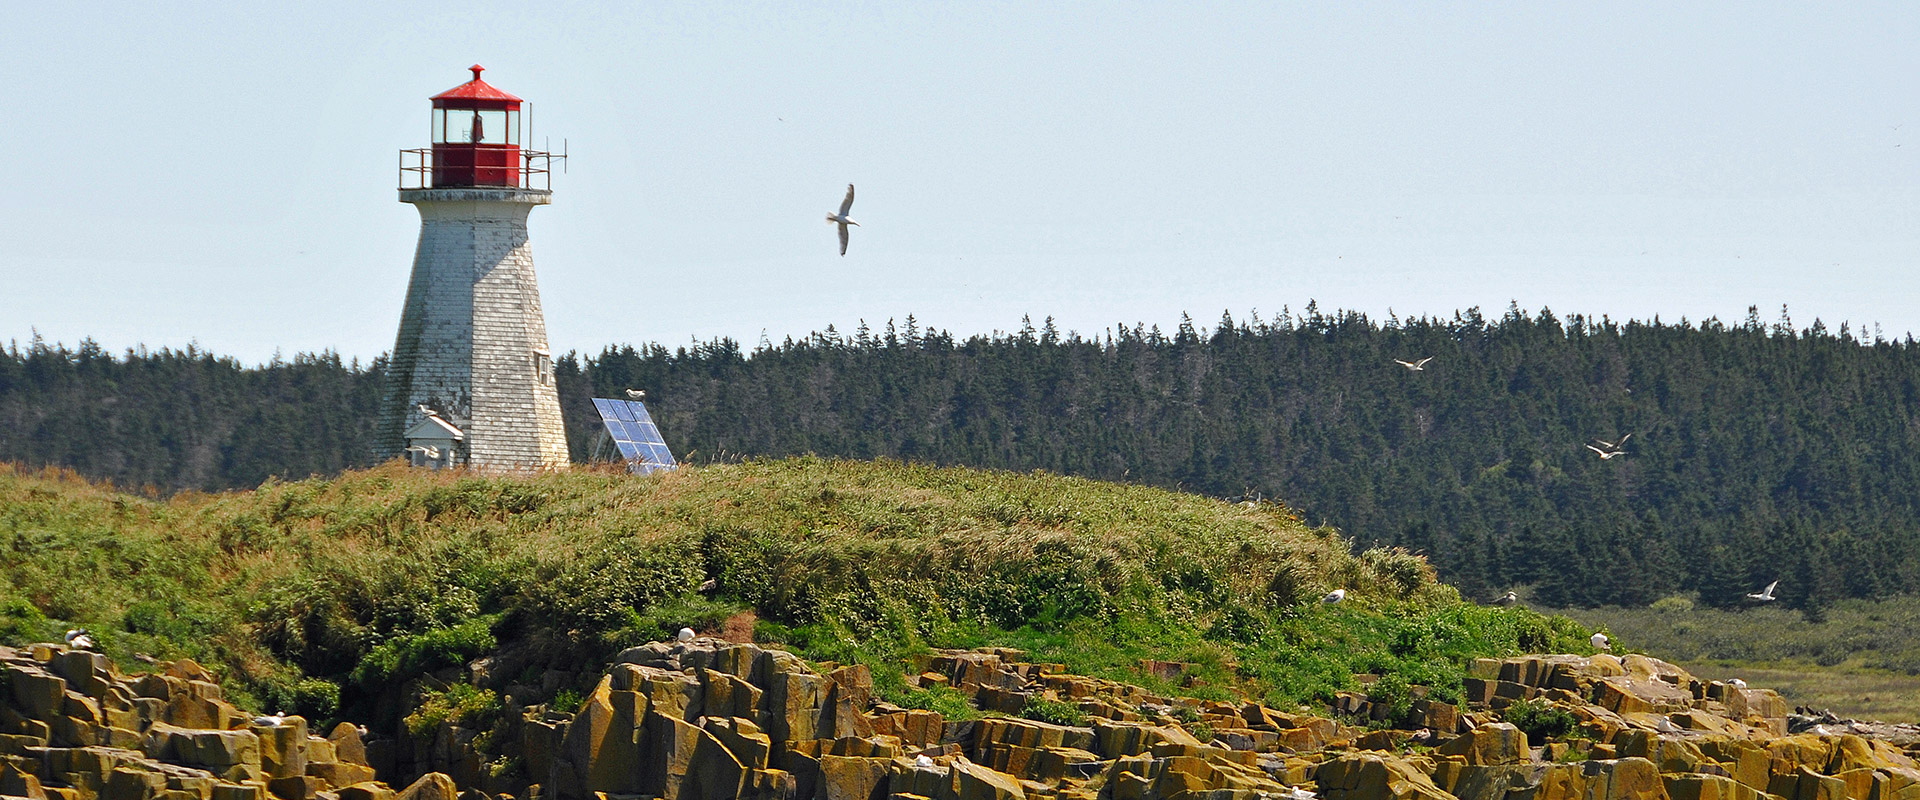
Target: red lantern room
x,y
476,136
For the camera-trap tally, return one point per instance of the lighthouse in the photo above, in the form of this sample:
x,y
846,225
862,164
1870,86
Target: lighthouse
x,y
471,377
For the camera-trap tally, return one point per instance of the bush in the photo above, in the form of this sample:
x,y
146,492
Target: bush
x,y
1393,692
1053,711
460,703
404,656
1540,720
566,702
951,704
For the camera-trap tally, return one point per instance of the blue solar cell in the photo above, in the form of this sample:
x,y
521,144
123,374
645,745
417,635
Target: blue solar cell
x,y
633,431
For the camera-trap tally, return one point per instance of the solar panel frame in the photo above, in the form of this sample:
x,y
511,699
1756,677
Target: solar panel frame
x,y
635,435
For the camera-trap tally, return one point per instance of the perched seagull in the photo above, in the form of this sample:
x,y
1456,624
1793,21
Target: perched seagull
x,y
1615,445
1297,793
80,639
1416,366
1600,642
1764,595
709,584
636,394
271,720
1606,454
685,635
1334,596
430,452
427,411
842,219
1737,683
1507,599
922,761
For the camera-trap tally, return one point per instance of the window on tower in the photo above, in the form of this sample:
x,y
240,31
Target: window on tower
x,y
542,368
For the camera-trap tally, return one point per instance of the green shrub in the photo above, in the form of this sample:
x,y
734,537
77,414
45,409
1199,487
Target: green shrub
x,y
1540,720
1053,711
951,704
460,703
1394,692
314,698
405,656
1201,731
566,701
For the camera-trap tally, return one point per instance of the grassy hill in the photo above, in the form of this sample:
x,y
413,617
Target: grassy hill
x,y
322,594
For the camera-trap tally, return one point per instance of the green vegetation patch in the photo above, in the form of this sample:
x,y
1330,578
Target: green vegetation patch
x,y
372,579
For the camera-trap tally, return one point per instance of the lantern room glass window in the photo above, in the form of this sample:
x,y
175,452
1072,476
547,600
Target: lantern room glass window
x,y
458,126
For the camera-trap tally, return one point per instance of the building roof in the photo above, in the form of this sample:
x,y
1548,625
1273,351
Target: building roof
x,y
475,89
433,428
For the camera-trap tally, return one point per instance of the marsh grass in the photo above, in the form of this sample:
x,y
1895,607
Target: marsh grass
x,y
1862,661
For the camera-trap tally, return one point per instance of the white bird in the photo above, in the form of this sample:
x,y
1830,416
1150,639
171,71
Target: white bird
x,y
1334,596
1416,366
922,761
842,219
271,720
1764,595
430,452
1600,642
1606,454
636,394
709,584
80,639
1507,599
1297,793
1737,683
685,635
1615,445
427,411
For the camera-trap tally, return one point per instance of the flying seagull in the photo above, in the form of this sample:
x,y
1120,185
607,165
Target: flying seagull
x,y
842,219
430,452
1416,366
1764,595
1508,599
1606,454
636,394
1601,642
1334,596
1615,445
80,639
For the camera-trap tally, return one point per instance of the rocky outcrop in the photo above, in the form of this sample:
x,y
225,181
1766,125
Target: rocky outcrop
x,y
73,728
714,720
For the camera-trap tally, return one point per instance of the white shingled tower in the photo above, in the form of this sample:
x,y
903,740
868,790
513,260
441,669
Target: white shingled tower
x,y
471,379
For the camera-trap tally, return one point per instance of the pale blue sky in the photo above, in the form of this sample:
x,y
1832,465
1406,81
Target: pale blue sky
x,y
224,173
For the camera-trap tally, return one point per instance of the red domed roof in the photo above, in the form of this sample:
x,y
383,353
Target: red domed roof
x,y
475,89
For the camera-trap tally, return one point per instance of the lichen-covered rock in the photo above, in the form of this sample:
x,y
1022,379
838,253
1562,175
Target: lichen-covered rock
x,y
1497,743
1375,776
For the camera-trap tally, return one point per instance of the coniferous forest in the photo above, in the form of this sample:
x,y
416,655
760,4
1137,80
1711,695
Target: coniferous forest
x,y
1758,451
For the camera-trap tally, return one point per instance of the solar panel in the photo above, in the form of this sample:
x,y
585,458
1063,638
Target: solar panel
x,y
635,435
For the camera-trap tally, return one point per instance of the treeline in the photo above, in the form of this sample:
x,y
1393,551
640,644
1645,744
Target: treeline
x,y
169,420
1758,451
